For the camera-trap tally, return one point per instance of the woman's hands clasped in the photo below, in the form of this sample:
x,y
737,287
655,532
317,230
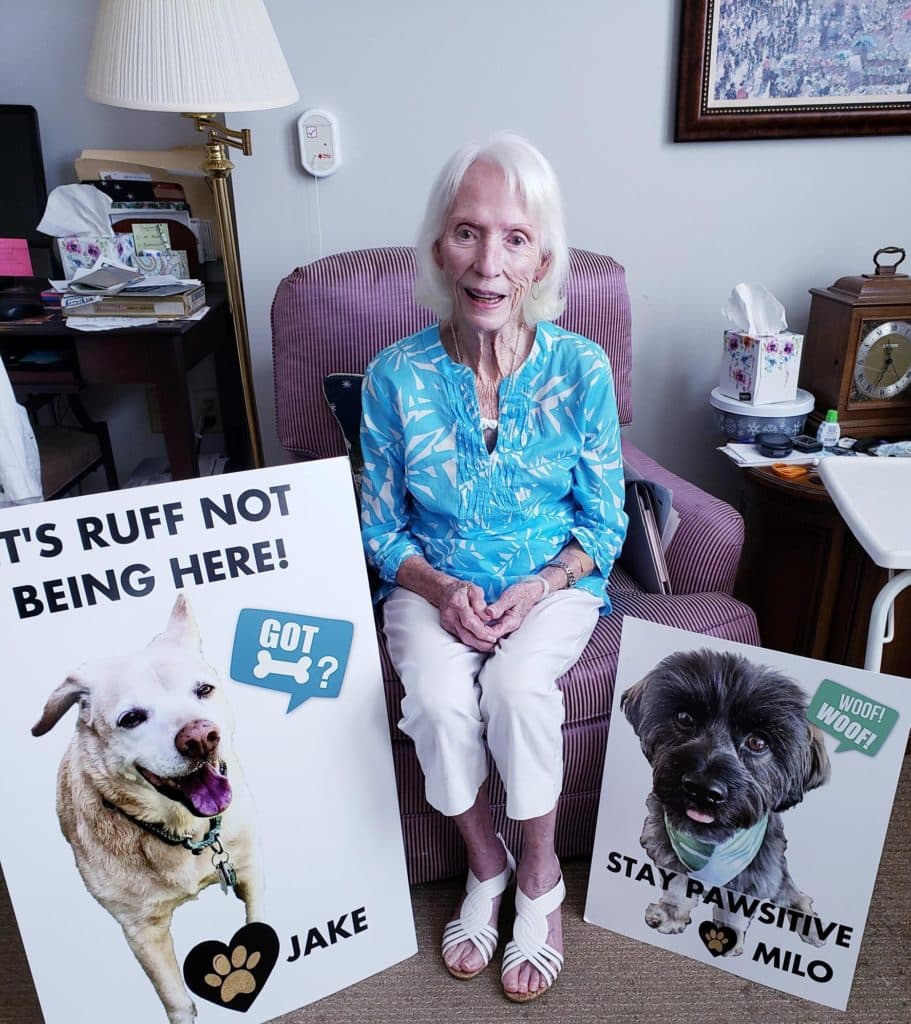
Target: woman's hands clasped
x,y
465,613
508,612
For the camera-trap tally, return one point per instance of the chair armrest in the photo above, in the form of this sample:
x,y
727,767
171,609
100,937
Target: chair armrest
x,y
705,551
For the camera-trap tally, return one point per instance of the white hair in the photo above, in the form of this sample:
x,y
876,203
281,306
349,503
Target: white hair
x,y
533,181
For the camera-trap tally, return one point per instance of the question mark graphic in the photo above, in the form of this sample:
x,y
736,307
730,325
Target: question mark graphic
x,y
331,665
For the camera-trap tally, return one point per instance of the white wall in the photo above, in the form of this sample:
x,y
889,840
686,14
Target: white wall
x,y
592,84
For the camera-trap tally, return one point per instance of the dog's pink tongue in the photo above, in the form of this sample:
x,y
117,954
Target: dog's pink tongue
x,y
208,791
700,816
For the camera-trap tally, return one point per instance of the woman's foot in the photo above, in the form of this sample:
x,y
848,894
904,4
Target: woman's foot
x,y
470,938
522,980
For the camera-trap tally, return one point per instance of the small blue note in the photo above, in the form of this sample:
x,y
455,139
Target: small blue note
x,y
300,655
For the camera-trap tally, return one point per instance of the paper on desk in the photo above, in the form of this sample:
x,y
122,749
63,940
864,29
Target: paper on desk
x,y
152,235
147,281
748,455
180,159
106,277
181,164
159,280
108,323
111,323
15,260
76,210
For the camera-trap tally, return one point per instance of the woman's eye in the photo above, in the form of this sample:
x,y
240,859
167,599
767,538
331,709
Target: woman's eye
x,y
130,719
685,720
205,690
517,240
756,744
464,234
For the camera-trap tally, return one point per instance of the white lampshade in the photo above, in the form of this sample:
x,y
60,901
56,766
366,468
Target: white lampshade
x,y
189,56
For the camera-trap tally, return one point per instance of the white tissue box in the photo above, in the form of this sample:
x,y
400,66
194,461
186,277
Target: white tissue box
x,y
760,368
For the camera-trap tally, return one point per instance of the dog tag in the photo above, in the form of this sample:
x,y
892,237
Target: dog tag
x,y
227,876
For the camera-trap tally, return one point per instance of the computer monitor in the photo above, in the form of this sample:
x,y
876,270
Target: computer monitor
x,y
23,188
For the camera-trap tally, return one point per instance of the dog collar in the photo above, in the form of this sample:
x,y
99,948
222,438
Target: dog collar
x,y
171,838
221,860
717,863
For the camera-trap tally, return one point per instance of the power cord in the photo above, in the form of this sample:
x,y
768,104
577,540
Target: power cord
x,y
204,424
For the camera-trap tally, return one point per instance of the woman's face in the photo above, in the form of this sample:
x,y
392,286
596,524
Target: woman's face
x,y
490,251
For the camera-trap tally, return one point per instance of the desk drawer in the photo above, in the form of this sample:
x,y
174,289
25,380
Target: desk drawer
x,y
40,364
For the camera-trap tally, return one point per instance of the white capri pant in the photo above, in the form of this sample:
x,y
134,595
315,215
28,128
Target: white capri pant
x,y
453,693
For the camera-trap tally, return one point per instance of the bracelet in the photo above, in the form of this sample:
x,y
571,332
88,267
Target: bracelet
x,y
538,579
570,575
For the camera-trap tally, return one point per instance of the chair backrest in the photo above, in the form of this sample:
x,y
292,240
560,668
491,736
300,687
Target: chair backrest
x,y
334,315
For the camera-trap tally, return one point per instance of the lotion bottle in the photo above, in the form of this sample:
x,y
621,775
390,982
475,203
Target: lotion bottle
x,y
829,430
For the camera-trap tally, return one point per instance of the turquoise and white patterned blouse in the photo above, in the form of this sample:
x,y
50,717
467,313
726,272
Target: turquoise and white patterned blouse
x,y
431,488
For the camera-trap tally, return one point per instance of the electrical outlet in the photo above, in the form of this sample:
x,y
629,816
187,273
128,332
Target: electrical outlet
x,y
206,411
204,405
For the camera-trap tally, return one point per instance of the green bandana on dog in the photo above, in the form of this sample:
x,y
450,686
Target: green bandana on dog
x,y
717,864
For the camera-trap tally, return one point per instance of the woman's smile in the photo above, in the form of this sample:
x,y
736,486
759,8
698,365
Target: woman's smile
x,y
484,298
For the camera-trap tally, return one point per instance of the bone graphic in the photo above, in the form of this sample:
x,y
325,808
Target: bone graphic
x,y
266,664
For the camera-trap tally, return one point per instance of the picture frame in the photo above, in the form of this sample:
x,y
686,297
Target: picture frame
x,y
838,76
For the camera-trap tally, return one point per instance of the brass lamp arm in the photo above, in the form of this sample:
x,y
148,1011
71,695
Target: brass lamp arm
x,y
217,168
238,138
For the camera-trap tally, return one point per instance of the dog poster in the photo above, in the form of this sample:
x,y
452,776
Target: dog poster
x,y
202,818
744,806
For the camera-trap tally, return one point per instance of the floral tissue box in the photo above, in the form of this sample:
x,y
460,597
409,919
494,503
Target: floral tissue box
x,y
760,368
83,251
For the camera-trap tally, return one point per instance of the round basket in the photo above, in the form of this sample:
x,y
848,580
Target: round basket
x,y
742,421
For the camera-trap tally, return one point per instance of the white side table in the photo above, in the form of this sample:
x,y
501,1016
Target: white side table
x,y
874,498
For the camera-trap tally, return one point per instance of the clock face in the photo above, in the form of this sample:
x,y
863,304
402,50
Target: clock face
x,y
882,367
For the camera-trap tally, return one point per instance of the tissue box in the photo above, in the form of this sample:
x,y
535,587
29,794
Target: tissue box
x,y
78,253
760,368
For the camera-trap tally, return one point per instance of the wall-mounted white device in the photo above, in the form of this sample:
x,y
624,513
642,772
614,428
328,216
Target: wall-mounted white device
x,y
318,134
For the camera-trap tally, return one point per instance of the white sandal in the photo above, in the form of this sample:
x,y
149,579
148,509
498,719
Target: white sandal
x,y
473,923
529,941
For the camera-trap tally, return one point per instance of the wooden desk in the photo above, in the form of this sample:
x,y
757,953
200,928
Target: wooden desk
x,y
157,356
810,583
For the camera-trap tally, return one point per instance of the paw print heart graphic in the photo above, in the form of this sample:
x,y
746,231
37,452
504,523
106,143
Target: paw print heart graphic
x,y
233,974
718,939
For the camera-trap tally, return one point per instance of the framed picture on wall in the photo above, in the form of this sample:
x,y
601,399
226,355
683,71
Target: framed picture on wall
x,y
750,69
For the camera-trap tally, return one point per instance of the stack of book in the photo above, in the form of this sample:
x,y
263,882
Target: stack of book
x,y
110,290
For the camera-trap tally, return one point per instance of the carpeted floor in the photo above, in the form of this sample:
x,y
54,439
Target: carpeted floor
x,y
607,977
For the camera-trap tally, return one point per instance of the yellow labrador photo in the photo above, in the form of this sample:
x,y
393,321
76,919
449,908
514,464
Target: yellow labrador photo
x,y
150,795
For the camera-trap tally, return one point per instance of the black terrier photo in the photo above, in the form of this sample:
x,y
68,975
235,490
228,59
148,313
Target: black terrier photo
x,y
730,748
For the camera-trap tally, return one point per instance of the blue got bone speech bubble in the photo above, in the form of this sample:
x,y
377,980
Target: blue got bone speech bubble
x,y
296,654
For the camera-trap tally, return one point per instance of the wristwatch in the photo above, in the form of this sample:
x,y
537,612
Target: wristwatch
x,y
570,575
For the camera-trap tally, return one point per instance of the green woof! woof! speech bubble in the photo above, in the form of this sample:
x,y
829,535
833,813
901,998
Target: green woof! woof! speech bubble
x,y
856,721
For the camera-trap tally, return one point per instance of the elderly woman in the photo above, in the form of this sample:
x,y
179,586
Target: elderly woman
x,y
492,508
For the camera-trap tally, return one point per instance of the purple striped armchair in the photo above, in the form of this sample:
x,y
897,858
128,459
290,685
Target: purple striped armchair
x,y
332,317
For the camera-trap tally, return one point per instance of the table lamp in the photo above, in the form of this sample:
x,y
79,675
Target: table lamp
x,y
198,57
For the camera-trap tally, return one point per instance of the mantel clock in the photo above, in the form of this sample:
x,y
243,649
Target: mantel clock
x,y
857,352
